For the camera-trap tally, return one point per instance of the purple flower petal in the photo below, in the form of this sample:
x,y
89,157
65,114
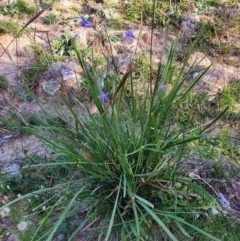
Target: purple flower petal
x,y
84,23
66,72
7,137
129,34
222,199
103,97
161,86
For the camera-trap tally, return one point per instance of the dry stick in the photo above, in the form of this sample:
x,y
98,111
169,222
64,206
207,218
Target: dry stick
x,y
221,53
16,51
50,46
172,20
130,67
5,51
48,40
151,46
124,78
139,35
30,21
108,50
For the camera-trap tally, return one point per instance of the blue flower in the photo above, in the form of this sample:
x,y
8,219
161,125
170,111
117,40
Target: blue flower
x,y
84,23
161,86
66,72
129,34
222,199
103,97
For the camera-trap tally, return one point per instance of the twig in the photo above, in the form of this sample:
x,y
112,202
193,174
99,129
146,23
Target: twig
x,y
151,47
124,78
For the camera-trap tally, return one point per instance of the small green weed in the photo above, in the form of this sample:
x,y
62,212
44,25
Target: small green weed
x,y
234,24
51,19
24,7
115,24
21,94
37,49
74,9
18,7
210,31
10,27
32,74
227,99
132,11
204,6
230,97
226,144
111,4
229,231
64,45
192,110
3,82
165,11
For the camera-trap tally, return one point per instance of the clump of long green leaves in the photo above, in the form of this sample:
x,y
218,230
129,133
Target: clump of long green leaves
x,y
126,177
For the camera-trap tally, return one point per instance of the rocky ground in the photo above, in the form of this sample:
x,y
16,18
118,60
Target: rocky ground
x,y
16,56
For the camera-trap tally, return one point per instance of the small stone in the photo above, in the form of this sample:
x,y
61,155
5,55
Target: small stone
x,y
73,67
72,81
190,24
12,170
122,62
95,6
59,237
199,61
12,238
233,10
81,38
66,3
147,38
110,14
214,81
51,86
214,211
127,41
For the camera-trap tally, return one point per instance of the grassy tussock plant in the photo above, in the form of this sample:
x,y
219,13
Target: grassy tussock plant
x,y
125,172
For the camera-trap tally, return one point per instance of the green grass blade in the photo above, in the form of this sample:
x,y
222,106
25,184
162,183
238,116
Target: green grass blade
x,y
193,227
156,218
32,194
144,201
113,212
63,214
183,231
134,206
124,186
